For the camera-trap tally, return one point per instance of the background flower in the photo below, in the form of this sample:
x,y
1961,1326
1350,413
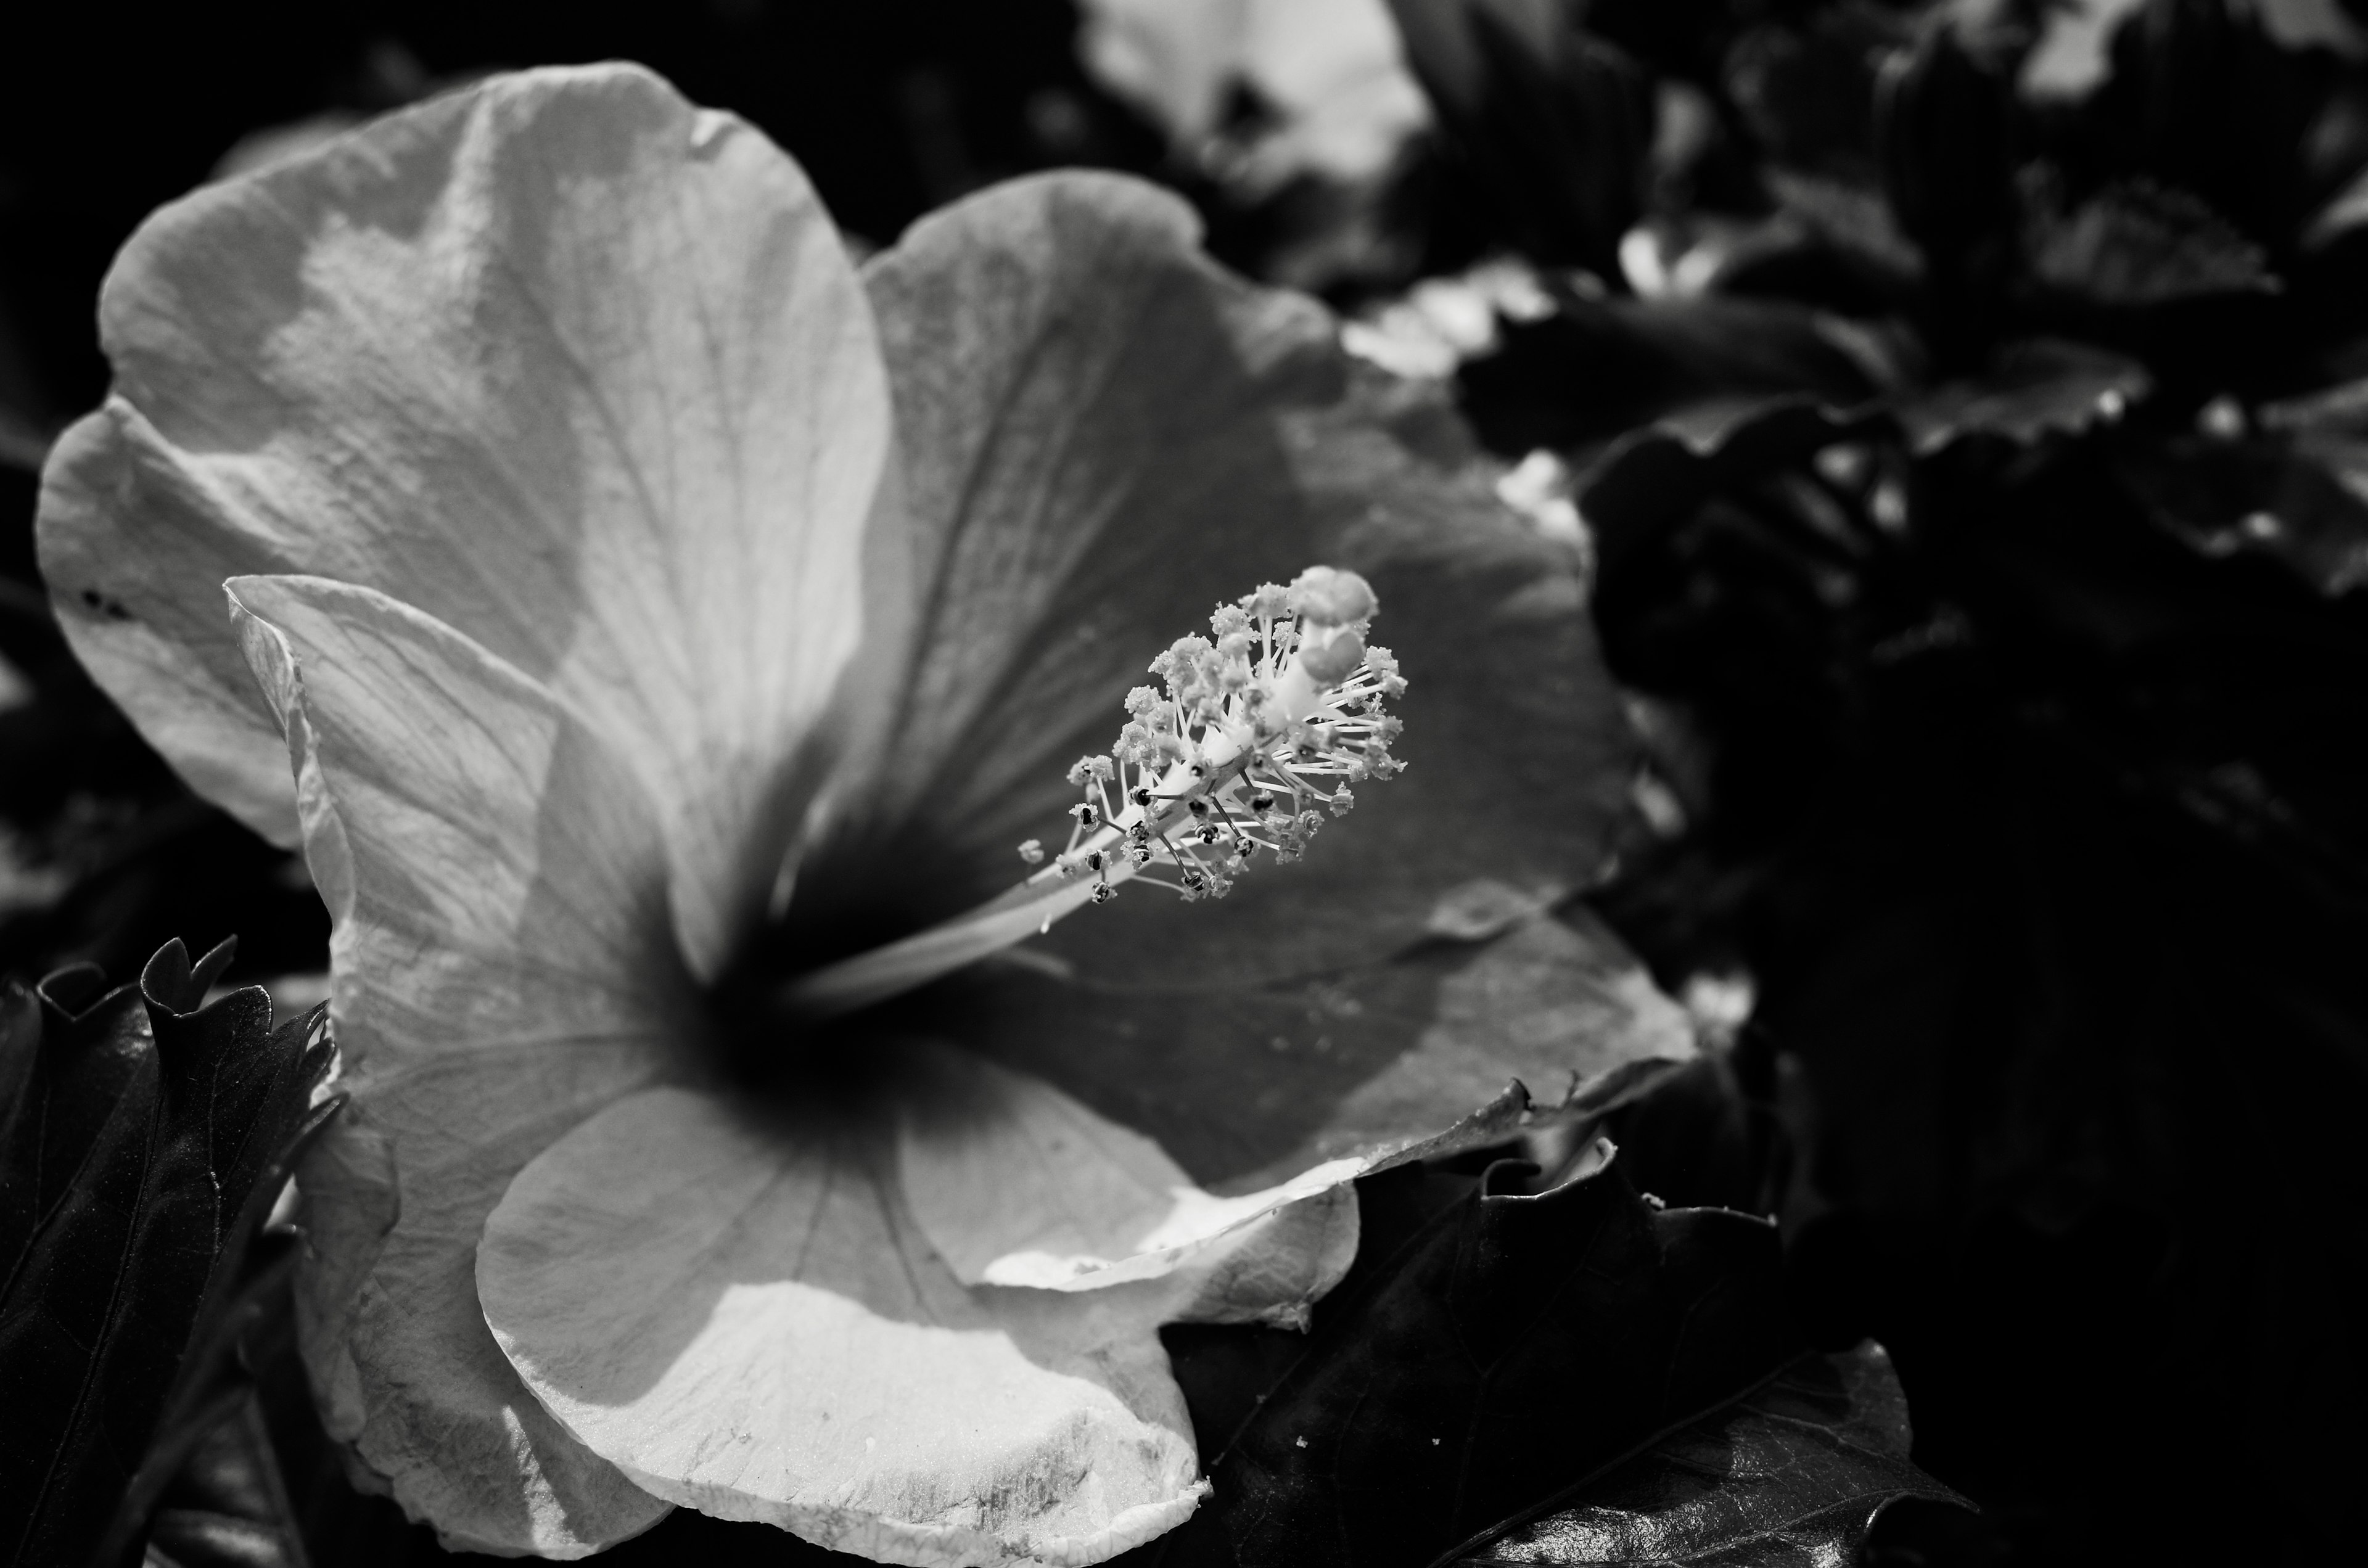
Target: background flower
x,y
1327,72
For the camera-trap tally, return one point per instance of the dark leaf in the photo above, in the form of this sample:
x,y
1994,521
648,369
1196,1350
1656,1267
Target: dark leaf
x,y
2009,894
2302,500
1790,1477
2345,213
2140,244
1552,122
1853,224
2034,388
2341,410
1226,1371
1705,1136
1942,134
141,1157
2201,97
228,1507
1445,1395
1807,92
1665,471
59,1094
245,1320
1599,367
1661,472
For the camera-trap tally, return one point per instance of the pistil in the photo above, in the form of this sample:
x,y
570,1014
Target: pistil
x,y
1281,712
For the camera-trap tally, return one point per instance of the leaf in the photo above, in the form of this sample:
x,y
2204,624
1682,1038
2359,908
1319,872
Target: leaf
x,y
1663,472
1597,368
2005,941
1790,1477
2297,491
228,1507
245,1320
2302,500
2341,409
2201,98
2138,243
1807,93
1553,123
1514,1345
1942,132
1855,221
2035,388
2346,211
1705,1136
146,1140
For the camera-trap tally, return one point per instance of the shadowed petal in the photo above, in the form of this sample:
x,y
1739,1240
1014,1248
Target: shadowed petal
x,y
502,968
1101,434
1516,752
742,1315
1016,1183
575,368
1248,1082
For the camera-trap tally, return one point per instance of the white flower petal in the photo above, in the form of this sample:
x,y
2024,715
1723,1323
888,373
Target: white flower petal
x,y
740,1314
1017,1183
502,968
135,565
573,367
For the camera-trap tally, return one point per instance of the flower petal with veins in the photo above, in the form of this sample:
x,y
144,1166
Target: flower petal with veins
x,y
741,1314
1016,1183
578,369
503,968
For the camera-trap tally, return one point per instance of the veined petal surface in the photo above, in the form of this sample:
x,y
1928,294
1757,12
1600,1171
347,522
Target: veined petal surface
x,y
503,967
1246,1081
1016,1183
1516,752
738,1309
1101,434
575,368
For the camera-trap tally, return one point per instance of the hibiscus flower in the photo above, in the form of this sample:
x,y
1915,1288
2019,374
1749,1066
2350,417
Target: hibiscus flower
x,y
640,617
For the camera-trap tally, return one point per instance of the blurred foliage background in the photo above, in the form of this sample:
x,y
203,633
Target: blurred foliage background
x,y
1963,408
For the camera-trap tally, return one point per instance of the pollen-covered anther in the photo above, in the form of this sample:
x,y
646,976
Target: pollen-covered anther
x,y
1250,729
